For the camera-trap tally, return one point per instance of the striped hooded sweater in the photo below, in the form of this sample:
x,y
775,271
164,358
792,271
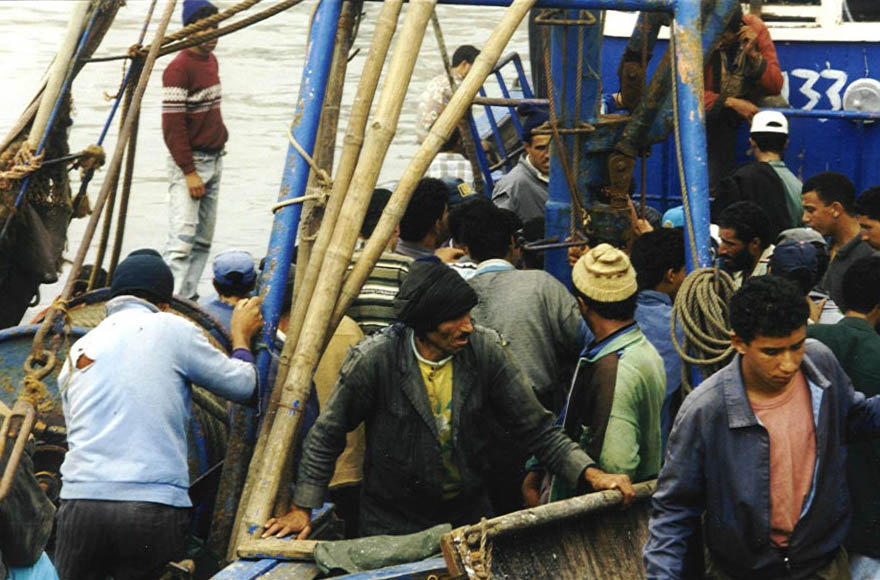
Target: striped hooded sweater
x,y
191,118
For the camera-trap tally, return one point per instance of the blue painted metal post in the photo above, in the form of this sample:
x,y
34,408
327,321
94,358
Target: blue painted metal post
x,y
296,174
564,63
691,125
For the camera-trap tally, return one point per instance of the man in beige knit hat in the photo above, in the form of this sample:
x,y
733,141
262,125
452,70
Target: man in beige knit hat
x,y
613,408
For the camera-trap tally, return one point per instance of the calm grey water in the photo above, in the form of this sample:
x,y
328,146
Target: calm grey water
x,y
260,70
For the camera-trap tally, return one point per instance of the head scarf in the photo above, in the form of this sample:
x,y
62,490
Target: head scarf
x,y
432,293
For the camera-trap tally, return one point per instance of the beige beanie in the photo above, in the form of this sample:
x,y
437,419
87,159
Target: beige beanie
x,y
605,274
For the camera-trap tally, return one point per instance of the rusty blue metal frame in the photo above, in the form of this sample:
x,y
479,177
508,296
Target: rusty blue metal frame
x,y
307,116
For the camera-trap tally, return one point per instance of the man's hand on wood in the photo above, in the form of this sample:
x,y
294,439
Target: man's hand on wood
x,y
296,520
599,481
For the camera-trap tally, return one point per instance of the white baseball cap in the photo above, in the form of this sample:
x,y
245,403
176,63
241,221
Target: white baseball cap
x,y
769,122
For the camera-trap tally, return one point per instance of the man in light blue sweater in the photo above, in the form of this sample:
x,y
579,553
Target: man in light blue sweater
x,y
126,394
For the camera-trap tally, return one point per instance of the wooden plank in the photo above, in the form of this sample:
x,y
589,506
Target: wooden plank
x,y
435,569
582,537
277,548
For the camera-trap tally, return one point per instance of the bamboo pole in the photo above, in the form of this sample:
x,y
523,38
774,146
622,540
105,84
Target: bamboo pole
x,y
58,72
112,170
386,24
325,146
440,132
123,200
296,388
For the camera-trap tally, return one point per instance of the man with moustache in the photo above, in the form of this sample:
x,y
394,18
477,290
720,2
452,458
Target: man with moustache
x,y
426,389
745,234
757,455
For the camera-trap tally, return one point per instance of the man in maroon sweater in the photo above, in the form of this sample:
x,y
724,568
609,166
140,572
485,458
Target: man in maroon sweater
x,y
195,135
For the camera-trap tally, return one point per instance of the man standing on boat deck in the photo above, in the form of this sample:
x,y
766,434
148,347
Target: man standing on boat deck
x,y
126,395
424,388
195,135
526,187
438,93
613,406
757,453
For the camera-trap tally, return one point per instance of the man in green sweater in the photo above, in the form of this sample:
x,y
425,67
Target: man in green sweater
x,y
856,345
613,408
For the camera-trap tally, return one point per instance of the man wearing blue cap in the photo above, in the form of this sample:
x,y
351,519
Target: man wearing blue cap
x,y
195,135
234,279
126,394
525,189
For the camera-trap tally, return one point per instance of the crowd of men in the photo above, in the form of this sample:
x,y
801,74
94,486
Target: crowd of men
x,y
467,382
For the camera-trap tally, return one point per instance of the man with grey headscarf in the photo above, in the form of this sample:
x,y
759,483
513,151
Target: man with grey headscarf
x,y
427,389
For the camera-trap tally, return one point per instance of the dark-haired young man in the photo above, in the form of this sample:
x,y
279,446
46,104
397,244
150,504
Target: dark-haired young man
x,y
758,450
766,180
424,388
746,237
425,224
867,209
613,407
438,93
856,345
532,310
373,309
829,200
126,396
658,258
525,188
195,136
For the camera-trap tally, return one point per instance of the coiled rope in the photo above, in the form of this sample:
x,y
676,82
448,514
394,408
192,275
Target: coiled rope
x,y
701,312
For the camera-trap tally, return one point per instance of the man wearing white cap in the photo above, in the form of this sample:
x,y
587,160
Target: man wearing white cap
x,y
613,407
766,180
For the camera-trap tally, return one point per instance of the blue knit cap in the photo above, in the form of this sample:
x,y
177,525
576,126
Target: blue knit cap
x,y
190,7
145,272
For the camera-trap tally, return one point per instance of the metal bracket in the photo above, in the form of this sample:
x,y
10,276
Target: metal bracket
x,y
556,17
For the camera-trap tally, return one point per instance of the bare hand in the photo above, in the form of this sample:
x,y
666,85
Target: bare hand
x,y
640,226
816,308
531,489
575,252
246,321
599,480
296,520
748,37
745,109
195,185
449,255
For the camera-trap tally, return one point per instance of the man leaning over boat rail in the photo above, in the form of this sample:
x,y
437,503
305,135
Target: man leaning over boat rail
x,y
424,387
757,454
126,395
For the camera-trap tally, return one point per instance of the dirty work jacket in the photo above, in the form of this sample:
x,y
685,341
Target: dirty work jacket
x,y
380,384
718,467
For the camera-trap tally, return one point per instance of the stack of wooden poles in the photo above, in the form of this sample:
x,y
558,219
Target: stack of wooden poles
x,y
323,292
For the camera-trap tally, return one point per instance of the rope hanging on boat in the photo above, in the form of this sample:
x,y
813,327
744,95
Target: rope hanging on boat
x,y
577,207
24,163
322,174
701,312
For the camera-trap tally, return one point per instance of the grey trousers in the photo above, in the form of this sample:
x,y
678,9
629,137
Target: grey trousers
x,y
119,539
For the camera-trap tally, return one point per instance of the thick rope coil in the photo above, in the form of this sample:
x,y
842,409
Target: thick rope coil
x,y
701,312
90,158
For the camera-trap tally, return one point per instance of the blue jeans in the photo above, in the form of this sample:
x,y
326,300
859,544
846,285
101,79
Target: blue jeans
x,y
191,222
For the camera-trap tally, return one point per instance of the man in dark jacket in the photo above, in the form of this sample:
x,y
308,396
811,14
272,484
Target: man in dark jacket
x,y
757,452
425,389
857,346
